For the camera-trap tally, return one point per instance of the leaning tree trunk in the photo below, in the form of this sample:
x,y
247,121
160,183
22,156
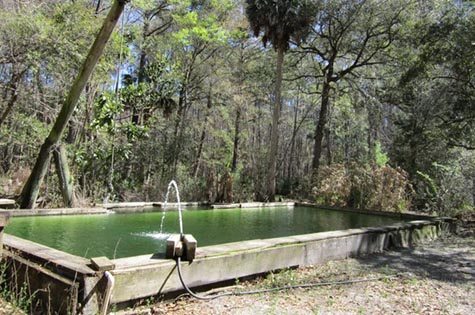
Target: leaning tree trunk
x,y
31,188
274,141
322,120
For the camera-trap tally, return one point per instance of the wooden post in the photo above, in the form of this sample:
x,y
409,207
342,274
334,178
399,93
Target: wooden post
x,y
4,218
190,247
184,247
102,264
173,246
64,176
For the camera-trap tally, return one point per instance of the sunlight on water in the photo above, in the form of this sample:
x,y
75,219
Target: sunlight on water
x,y
155,235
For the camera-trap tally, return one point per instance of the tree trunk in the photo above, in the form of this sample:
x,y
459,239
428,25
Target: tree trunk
x,y
322,120
13,87
176,145
65,179
329,146
110,174
374,122
292,144
31,188
274,141
40,115
237,132
473,191
141,69
346,147
143,53
196,164
239,107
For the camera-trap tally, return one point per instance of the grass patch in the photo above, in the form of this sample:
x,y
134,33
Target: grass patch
x,y
18,296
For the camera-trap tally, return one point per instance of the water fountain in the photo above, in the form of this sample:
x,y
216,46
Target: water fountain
x,y
171,185
178,245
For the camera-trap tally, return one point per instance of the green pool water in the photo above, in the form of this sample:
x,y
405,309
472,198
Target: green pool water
x,y
123,235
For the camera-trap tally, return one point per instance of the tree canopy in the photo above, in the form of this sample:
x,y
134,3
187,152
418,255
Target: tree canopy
x,y
373,107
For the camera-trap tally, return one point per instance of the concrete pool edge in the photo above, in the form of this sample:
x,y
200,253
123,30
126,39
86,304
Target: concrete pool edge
x,y
59,281
400,215
56,211
143,276
134,207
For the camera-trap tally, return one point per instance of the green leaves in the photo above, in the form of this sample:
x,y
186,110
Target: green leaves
x,y
198,23
144,5
106,109
381,158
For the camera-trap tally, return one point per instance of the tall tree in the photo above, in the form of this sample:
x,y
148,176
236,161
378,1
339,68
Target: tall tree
x,y
279,21
347,36
31,189
435,105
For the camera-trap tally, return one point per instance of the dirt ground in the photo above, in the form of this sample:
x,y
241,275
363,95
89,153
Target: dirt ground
x,y
7,308
435,277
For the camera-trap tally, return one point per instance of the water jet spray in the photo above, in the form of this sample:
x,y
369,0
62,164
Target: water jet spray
x,y
181,245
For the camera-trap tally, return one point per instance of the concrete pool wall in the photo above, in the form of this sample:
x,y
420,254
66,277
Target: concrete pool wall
x,y
69,284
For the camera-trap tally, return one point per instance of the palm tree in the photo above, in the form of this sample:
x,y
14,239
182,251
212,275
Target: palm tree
x,y
280,21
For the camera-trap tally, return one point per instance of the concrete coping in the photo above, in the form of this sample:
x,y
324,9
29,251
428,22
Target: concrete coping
x,y
7,203
260,244
190,204
301,238
127,205
131,207
57,211
4,218
266,204
124,206
226,206
406,215
47,255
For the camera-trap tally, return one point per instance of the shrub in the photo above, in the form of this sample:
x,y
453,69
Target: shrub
x,y
447,190
365,187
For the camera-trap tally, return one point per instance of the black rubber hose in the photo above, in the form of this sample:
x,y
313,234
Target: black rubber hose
x,y
288,287
196,296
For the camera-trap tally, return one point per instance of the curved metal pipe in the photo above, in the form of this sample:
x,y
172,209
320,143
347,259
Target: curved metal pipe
x,y
108,292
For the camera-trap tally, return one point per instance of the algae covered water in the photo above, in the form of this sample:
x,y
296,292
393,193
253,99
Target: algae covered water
x,y
123,235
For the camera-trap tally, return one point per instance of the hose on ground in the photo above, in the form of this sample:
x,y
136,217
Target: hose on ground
x,y
282,288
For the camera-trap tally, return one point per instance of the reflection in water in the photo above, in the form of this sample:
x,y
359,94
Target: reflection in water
x,y
122,235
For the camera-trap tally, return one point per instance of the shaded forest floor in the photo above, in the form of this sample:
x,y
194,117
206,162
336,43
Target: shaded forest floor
x,y
433,278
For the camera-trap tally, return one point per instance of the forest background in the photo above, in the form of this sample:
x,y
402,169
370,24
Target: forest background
x,y
375,107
